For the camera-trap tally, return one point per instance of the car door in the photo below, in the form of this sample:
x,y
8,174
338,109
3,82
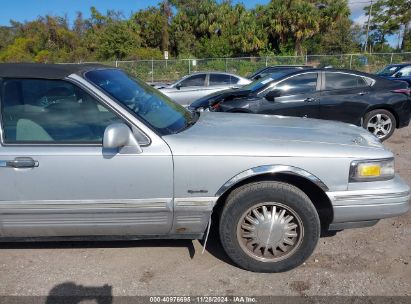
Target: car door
x,y
344,97
218,82
297,96
188,89
57,180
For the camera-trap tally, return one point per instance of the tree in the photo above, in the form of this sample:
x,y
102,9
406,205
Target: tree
x,y
207,28
7,35
339,38
166,15
149,22
388,17
110,37
295,20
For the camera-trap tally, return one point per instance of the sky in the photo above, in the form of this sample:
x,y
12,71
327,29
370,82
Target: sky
x,y
26,10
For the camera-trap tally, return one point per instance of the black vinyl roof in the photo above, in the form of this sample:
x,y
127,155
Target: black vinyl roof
x,y
44,71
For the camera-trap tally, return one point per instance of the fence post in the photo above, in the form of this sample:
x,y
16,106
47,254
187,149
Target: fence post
x,y
392,54
226,69
152,70
266,61
306,59
350,61
116,63
189,66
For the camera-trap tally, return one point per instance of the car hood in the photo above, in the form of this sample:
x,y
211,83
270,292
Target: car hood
x,y
159,85
217,133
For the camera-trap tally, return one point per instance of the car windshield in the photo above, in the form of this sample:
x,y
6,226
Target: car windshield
x,y
265,81
388,70
256,73
147,103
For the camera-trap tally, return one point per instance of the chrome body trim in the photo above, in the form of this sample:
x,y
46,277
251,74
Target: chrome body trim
x,y
106,204
371,204
361,197
54,218
191,214
271,170
350,225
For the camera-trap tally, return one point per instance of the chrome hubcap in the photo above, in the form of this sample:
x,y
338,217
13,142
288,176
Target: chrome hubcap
x,y
270,232
380,125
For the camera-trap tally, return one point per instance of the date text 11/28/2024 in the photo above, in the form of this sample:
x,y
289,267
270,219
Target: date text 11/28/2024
x,y
203,299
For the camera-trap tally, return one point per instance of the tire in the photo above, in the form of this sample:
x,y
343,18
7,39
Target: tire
x,y
381,123
270,258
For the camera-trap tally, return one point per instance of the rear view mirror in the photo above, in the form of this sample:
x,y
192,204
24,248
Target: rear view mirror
x,y
398,75
119,136
272,95
178,86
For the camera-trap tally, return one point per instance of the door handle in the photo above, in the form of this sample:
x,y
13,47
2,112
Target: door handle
x,y
310,99
362,93
20,162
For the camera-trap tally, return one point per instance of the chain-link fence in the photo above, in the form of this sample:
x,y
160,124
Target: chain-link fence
x,y
169,70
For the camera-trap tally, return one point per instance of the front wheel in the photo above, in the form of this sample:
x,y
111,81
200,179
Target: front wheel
x,y
381,123
269,227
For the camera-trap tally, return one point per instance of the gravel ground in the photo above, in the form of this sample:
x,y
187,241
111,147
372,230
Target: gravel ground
x,y
369,261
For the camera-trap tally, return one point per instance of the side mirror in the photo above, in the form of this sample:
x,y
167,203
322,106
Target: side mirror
x,y
398,75
119,136
178,86
273,95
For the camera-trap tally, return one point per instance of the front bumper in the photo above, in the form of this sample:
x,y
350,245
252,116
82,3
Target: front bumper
x,y
362,208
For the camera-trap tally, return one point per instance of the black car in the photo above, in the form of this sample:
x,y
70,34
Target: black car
x,y
377,104
276,68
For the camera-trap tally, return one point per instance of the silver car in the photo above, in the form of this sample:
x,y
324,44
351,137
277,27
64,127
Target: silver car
x,y
87,151
197,85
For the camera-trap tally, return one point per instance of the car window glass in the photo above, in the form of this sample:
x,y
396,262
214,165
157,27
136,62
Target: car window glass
x,y
235,80
194,81
388,70
219,79
52,111
336,81
406,71
145,102
300,84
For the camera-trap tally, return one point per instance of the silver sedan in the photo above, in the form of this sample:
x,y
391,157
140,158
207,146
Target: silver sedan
x,y
197,85
87,151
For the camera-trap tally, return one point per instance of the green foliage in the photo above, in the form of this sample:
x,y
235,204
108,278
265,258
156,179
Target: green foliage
x,y
150,23
145,53
204,29
339,38
21,50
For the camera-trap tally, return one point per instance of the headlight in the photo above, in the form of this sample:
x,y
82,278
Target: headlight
x,y
372,170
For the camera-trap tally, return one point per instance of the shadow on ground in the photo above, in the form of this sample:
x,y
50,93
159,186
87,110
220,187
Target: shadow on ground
x,y
71,293
213,245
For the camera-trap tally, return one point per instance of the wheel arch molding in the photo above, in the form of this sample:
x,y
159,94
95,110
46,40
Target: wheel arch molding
x,y
270,169
307,182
